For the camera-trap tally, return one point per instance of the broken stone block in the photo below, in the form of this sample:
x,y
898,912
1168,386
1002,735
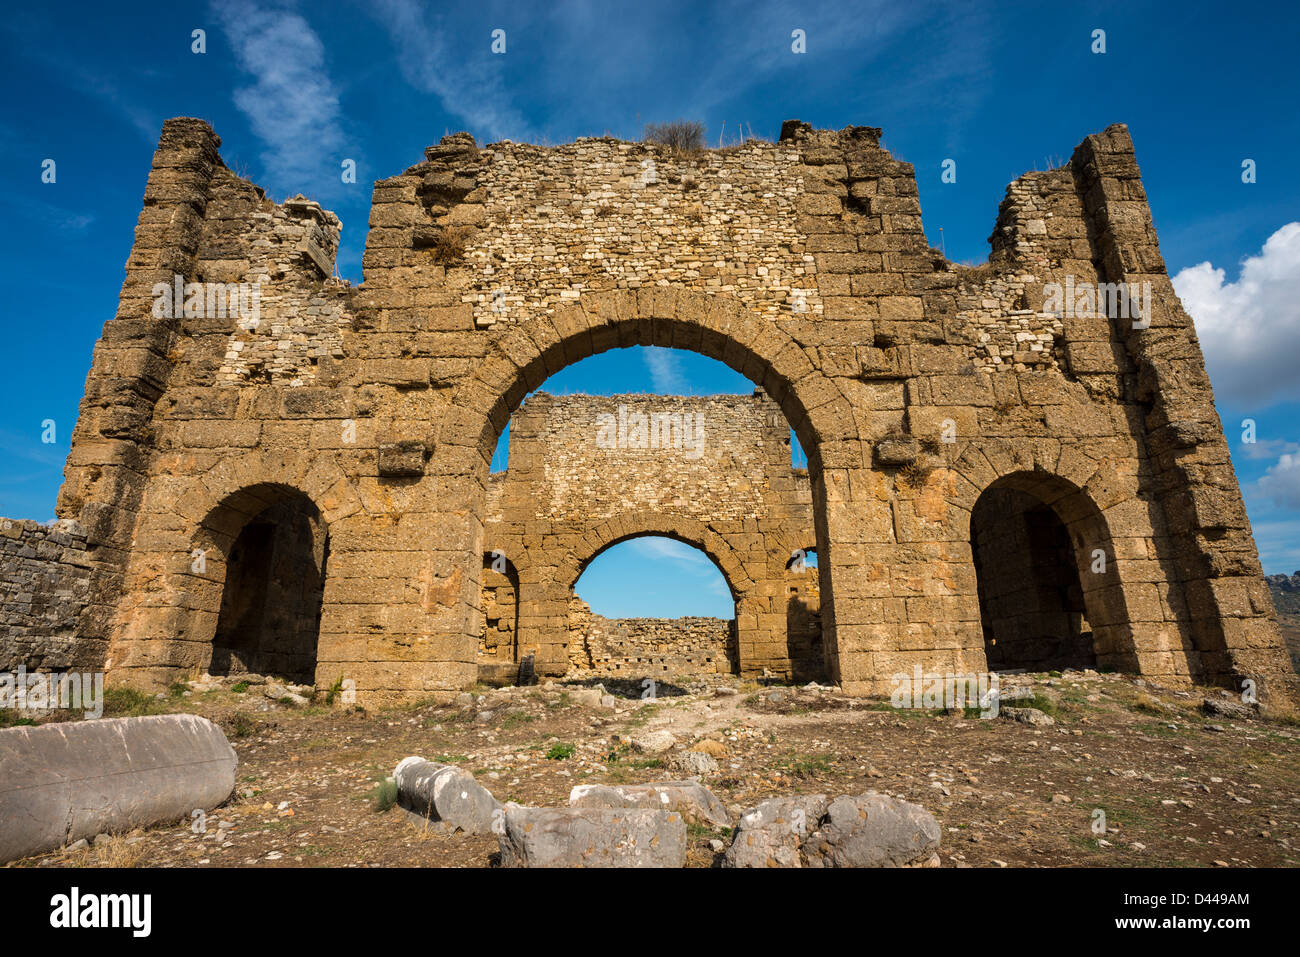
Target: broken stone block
x,y
1227,708
873,830
445,794
695,763
771,834
591,837
896,451
696,803
587,697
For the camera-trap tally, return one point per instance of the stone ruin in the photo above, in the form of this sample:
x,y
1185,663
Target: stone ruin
x,y
275,469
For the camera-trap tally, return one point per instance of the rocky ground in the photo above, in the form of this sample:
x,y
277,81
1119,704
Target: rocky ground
x,y
1177,786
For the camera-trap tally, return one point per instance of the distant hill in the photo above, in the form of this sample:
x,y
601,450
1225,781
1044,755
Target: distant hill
x,y
1286,598
1286,593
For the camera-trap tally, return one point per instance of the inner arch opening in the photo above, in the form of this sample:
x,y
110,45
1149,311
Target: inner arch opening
x,y
652,606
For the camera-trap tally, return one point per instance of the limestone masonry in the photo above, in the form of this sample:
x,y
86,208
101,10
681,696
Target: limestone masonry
x,y
290,473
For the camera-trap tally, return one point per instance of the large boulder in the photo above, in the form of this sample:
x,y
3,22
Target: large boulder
x,y
873,830
696,803
771,834
591,837
63,782
868,830
445,794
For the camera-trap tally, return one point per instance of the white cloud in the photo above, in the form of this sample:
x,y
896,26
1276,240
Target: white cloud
x,y
468,84
292,105
1250,329
1281,482
665,370
657,548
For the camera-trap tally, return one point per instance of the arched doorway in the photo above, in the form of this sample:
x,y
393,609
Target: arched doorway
x,y
268,622
500,590
1049,594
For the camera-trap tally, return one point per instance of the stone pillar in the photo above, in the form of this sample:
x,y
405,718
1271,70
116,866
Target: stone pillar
x,y
1233,625
105,475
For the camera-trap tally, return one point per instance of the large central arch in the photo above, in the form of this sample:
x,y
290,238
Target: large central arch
x,y
526,353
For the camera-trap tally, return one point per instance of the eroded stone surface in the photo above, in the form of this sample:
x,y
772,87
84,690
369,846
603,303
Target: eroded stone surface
x,y
691,799
591,837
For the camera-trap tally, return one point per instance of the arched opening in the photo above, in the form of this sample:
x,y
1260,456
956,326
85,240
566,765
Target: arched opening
x,y
803,612
270,612
500,589
1049,595
652,606
528,351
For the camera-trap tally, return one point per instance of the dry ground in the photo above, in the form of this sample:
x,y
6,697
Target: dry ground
x,y
1177,788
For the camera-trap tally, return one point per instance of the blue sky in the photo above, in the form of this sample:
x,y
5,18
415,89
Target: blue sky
x,y
295,89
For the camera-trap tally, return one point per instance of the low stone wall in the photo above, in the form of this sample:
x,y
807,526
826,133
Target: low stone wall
x,y
44,585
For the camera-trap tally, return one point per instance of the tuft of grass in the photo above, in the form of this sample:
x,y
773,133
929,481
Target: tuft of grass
x,y
449,247
112,851
334,690
239,726
1147,704
913,475
383,796
803,766
10,718
131,703
560,752
239,687
1041,702
680,136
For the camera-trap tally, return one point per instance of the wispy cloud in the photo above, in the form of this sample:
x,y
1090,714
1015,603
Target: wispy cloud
x,y
665,370
657,548
1279,545
1266,449
47,214
292,105
453,68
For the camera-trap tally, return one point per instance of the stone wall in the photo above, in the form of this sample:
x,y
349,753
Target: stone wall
x,y
802,264
44,586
